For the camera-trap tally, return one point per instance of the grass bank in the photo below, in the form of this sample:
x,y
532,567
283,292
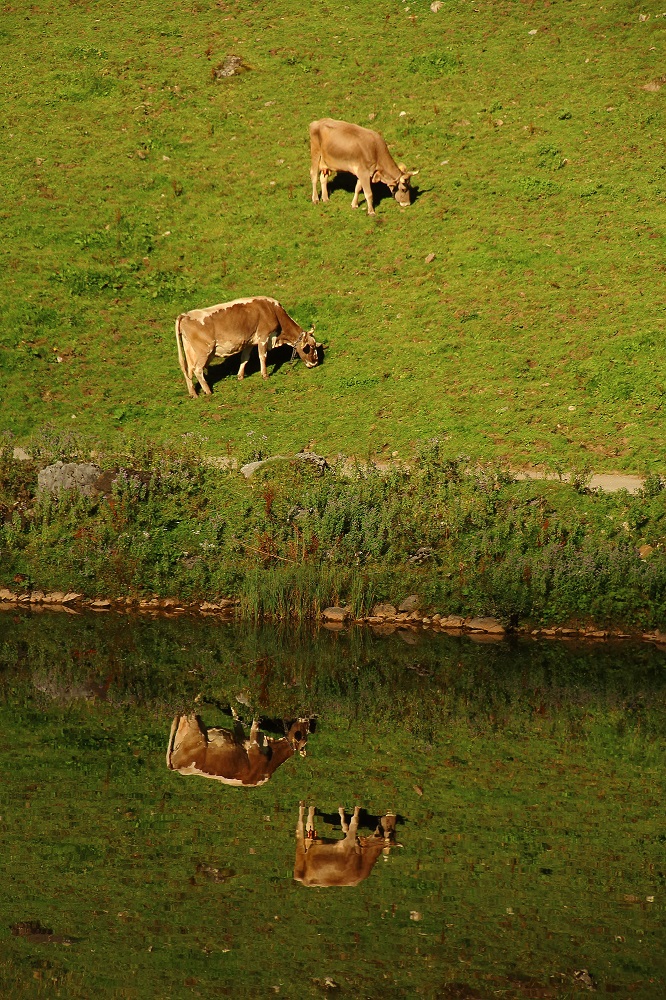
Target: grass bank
x,y
467,539
137,186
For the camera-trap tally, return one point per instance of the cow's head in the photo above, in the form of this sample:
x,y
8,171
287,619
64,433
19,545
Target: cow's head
x,y
401,190
306,347
298,735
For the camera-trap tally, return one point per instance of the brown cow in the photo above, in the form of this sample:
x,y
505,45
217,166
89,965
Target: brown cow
x,y
341,862
236,327
342,146
227,755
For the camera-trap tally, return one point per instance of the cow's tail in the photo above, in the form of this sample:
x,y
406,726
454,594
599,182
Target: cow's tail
x,y
181,350
174,724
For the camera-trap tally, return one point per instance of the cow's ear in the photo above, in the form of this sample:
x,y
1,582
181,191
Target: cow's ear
x,y
311,330
375,179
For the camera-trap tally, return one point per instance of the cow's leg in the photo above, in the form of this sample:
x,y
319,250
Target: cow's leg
x,y
299,861
245,357
357,192
324,185
353,826
367,191
263,351
310,832
343,820
314,170
254,732
198,369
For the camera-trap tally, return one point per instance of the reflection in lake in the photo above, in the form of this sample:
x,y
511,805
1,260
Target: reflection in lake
x,y
227,754
348,861
528,779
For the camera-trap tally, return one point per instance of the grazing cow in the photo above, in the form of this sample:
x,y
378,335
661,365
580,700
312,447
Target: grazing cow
x,y
236,327
227,755
341,146
340,862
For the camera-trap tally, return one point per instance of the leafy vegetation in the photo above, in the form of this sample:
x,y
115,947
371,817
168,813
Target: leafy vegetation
x,y
138,183
295,538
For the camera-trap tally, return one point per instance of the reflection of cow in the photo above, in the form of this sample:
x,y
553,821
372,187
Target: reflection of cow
x,y
341,862
227,755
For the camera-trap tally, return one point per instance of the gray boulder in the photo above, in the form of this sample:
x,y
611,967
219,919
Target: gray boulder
x,y
80,476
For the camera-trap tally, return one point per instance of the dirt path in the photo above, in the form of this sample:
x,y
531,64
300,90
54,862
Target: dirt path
x,y
609,482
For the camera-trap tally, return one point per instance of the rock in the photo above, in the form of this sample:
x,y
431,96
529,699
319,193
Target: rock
x,y
335,614
318,461
384,611
7,595
421,555
645,551
408,636
426,621
37,596
231,65
436,5
69,597
100,603
490,625
21,455
410,603
80,476
429,259
451,621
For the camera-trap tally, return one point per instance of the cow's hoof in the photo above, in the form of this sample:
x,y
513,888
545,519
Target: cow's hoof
x,y
240,378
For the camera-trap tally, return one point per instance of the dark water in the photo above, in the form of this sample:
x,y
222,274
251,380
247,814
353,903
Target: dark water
x,y
508,839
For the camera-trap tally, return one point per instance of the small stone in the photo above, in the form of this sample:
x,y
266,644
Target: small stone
x,y
452,621
490,625
645,551
418,789
335,614
429,259
426,621
415,915
21,455
70,597
384,611
410,603
100,603
37,596
7,595
436,5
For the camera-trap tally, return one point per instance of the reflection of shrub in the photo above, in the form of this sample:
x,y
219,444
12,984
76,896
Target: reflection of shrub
x,y
433,64
534,188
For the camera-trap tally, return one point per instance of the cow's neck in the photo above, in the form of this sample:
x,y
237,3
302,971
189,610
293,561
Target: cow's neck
x,y
389,170
281,750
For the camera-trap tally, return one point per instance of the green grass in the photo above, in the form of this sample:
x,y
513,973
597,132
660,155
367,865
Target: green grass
x,y
530,854
290,541
547,221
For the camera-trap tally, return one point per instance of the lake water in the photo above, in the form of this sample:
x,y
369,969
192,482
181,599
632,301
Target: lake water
x,y
523,856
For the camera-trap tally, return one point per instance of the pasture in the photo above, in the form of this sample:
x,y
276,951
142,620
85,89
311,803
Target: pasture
x,y
137,185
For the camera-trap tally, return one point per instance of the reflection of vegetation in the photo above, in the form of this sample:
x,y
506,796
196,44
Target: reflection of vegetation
x,y
530,852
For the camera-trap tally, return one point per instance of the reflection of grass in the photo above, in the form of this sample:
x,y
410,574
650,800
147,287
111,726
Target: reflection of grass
x,y
530,853
113,131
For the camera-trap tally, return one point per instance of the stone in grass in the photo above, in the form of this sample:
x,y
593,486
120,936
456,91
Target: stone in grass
x,y
7,595
384,611
80,476
335,614
490,625
410,603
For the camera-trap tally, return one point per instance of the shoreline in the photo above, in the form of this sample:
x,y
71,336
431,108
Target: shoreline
x,y
335,619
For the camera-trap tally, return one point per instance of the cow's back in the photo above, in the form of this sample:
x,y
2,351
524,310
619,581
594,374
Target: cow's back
x,y
345,146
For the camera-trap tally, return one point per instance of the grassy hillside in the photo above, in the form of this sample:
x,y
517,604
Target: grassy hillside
x,y
136,186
